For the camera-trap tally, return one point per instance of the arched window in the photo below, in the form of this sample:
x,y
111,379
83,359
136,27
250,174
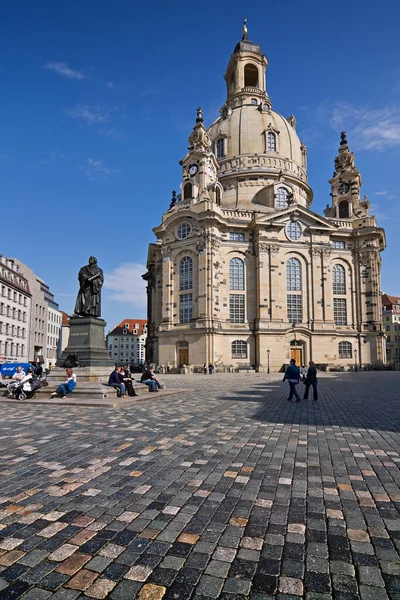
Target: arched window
x,y
271,141
187,191
186,273
239,349
236,282
254,101
250,76
220,148
345,350
236,274
343,209
293,284
218,195
339,280
281,198
293,275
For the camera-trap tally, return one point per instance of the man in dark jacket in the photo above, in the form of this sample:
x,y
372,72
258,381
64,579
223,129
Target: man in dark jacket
x,y
293,376
115,381
311,380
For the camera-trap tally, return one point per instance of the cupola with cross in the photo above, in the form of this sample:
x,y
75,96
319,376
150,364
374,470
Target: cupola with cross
x,y
246,74
199,167
345,186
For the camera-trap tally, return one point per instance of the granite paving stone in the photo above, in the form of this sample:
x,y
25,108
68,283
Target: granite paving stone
x,y
227,491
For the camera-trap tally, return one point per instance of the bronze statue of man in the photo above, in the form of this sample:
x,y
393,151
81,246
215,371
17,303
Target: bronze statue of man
x,y
88,301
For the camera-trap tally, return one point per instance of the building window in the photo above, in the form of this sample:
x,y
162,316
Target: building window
x,y
186,273
339,245
345,350
293,275
220,148
281,198
339,280
271,141
239,349
344,209
236,274
185,308
294,308
218,195
183,231
250,76
340,311
187,191
236,308
293,230
254,101
387,327
236,237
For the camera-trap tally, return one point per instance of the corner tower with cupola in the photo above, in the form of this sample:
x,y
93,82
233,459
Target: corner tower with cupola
x,y
243,273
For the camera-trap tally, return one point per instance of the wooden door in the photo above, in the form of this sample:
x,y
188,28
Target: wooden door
x,y
296,353
183,356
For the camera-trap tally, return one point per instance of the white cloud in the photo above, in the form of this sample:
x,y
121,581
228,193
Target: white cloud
x,y
126,284
91,114
368,128
64,70
96,169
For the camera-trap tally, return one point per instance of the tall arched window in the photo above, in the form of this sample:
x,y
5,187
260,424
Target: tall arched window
x,y
236,274
236,282
339,290
339,279
294,285
281,198
218,195
186,273
344,209
250,76
239,349
187,191
271,141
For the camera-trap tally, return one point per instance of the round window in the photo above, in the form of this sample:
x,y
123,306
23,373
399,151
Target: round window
x,y
293,230
183,231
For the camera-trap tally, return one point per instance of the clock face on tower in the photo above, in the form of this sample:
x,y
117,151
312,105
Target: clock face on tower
x,y
193,169
343,188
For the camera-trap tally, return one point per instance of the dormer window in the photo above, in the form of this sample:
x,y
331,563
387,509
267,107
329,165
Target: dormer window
x,y
271,141
126,325
281,198
220,148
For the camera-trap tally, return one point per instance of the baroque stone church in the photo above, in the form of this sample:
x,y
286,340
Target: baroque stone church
x,y
243,272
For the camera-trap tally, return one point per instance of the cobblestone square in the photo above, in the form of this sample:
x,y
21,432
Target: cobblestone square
x,y
225,491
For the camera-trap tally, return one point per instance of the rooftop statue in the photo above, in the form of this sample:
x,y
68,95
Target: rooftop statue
x,y
88,301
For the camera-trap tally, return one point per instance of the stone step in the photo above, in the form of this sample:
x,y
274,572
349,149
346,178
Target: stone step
x,y
88,389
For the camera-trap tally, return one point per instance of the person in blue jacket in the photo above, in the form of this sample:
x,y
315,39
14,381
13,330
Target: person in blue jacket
x,y
293,376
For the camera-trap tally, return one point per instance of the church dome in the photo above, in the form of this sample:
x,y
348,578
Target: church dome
x,y
257,149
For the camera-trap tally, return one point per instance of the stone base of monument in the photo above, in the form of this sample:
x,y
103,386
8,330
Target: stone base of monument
x,y
87,340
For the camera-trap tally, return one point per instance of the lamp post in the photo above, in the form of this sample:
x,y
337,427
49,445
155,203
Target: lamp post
x,y
355,360
268,353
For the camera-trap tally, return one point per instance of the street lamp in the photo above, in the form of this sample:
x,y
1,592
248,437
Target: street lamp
x,y
268,353
355,360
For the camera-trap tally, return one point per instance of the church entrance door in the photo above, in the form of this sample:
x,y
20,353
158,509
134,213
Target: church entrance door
x,y
183,356
297,354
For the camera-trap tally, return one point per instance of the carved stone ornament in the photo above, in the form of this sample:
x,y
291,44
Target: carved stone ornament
x,y
166,253
263,249
201,246
326,254
315,252
225,111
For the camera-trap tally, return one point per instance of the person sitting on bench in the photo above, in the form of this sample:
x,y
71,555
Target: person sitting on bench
x,y
115,381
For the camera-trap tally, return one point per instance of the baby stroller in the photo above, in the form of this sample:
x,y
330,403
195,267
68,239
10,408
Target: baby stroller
x,y
28,386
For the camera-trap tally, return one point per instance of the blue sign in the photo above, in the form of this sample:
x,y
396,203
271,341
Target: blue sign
x,y
10,368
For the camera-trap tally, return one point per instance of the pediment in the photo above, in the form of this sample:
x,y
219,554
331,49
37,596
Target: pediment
x,y
300,213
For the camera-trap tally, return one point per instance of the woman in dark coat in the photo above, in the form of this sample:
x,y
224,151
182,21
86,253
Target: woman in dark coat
x,y
311,380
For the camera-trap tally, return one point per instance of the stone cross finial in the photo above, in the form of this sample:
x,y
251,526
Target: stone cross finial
x,y
199,115
173,199
343,139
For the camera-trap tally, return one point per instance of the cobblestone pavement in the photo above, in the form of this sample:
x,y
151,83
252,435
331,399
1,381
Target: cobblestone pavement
x,y
227,491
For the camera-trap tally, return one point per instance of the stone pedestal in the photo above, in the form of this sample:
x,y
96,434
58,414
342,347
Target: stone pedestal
x,y
87,340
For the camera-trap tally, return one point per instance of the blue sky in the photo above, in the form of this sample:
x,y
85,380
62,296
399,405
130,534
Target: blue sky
x,y
98,99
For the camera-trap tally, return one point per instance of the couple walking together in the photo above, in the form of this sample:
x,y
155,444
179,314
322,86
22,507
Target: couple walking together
x,y
293,376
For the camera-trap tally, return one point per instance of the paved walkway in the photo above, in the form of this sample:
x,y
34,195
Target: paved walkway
x,y
225,492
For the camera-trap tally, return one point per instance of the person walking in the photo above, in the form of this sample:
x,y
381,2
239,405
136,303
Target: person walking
x,y
311,380
293,376
210,369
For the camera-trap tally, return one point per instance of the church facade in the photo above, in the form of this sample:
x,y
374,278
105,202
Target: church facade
x,y
243,272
